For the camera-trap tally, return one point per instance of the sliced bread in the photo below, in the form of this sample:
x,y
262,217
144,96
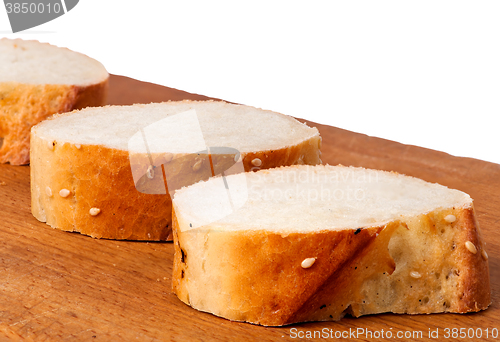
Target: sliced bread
x,y
36,81
313,243
109,172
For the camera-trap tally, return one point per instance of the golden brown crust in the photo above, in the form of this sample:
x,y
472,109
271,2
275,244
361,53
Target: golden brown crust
x,y
305,153
24,105
256,276
475,291
94,95
100,177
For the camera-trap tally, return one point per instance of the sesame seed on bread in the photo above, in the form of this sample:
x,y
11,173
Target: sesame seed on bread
x,y
313,243
118,165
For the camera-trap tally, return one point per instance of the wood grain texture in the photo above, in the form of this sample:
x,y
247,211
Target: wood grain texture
x,y
56,285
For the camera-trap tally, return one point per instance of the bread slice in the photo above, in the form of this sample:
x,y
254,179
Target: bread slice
x,y
312,243
36,81
105,171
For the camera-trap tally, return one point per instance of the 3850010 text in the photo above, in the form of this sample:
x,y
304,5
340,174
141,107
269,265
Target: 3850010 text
x,y
32,7
470,332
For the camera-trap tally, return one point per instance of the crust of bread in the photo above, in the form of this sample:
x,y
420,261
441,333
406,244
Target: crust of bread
x,y
96,178
413,266
24,105
100,177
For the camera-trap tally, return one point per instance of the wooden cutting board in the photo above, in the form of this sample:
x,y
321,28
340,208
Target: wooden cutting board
x,y
64,286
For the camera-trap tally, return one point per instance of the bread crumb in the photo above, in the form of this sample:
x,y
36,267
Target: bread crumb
x,y
3,183
48,191
484,254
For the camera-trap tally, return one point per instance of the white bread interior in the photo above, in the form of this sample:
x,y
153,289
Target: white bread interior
x,y
378,242
38,80
32,62
89,153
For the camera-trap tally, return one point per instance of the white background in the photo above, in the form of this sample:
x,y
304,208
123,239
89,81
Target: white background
x,y
421,72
